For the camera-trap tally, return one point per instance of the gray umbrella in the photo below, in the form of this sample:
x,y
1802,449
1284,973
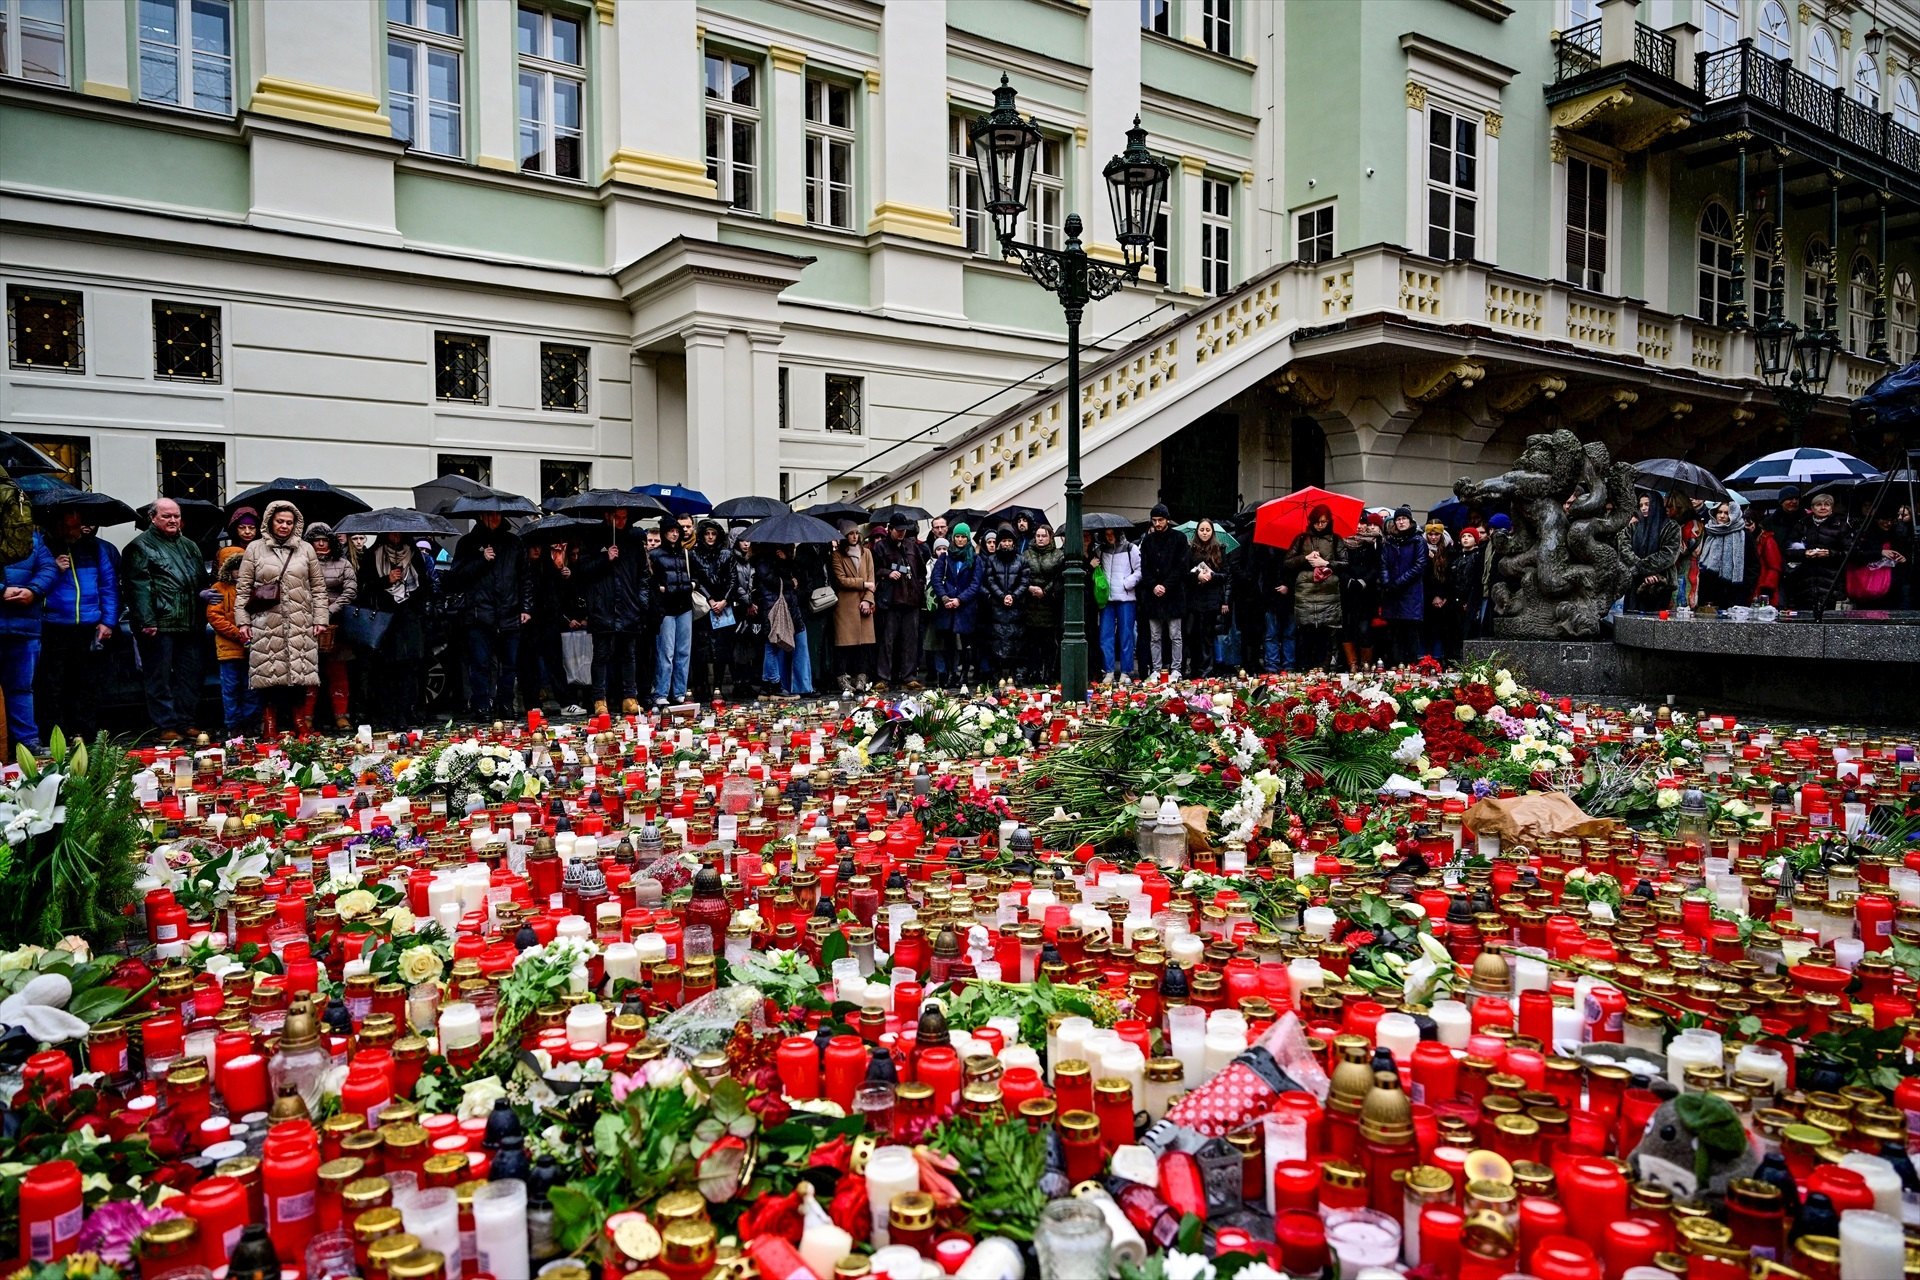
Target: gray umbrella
x,y
492,503
1103,520
1671,475
404,520
439,495
561,528
792,529
749,507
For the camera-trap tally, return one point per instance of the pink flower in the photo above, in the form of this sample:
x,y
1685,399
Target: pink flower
x,y
112,1229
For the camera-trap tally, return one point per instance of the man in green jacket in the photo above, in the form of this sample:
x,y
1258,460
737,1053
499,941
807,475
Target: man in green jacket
x,y
163,574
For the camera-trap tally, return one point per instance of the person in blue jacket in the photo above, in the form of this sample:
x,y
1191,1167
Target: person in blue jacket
x,y
78,617
1403,567
953,580
28,580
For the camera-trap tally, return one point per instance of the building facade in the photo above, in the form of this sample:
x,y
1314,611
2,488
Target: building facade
x,y
738,244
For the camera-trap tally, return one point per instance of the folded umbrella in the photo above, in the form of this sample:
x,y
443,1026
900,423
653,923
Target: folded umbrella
x,y
678,499
492,503
403,520
1281,520
316,499
438,495
1672,475
599,501
792,529
748,507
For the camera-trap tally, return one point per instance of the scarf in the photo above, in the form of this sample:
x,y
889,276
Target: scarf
x,y
1646,532
387,558
1723,551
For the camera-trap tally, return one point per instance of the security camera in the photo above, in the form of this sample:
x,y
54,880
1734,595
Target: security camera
x,y
1369,171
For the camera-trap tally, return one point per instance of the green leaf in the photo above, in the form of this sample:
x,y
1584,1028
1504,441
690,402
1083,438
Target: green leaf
x,y
729,1101
834,948
577,1218
98,1003
1187,1239
610,1134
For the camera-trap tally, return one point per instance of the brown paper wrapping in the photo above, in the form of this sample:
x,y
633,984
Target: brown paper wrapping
x,y
1539,815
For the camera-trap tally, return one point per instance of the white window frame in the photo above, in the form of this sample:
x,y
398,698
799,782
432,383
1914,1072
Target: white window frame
x,y
1823,58
1045,220
1719,24
1474,194
1157,16
1866,82
724,163
825,141
1579,12
547,74
1216,26
188,61
1773,35
1713,287
1216,235
1816,276
1863,282
966,204
1161,260
1903,318
1586,275
421,42
16,23
1906,102
1303,238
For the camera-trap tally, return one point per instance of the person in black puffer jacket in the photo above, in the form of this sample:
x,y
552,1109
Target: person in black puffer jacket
x,y
713,577
673,606
1816,554
616,580
750,625
1403,569
490,570
1004,578
1162,593
1209,584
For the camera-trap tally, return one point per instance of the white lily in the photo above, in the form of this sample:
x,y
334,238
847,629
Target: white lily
x,y
242,866
34,811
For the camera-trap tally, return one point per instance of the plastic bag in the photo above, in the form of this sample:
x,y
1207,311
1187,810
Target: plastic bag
x,y
576,656
708,1023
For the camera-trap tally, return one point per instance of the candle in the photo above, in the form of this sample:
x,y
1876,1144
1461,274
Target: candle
x,y
500,1228
1871,1245
1399,1033
1187,1037
1317,923
891,1171
1362,1238
433,1215
1303,975
1881,1179
1453,1020
587,1024
622,960
822,1245
459,1026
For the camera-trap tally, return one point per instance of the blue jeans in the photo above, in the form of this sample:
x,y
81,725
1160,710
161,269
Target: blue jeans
x,y
237,700
672,655
19,655
1117,632
493,658
789,670
1279,645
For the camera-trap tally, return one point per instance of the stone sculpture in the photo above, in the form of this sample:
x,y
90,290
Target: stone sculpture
x,y
1560,568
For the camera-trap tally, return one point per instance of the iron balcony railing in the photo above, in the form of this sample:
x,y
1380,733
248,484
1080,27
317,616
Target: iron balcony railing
x,y
1743,71
1578,50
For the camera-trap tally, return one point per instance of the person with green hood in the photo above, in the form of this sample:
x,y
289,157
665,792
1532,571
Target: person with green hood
x,y
954,582
1046,576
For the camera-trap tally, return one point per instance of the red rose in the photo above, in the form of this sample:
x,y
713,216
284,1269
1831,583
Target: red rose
x,y
835,1155
849,1209
773,1216
1383,715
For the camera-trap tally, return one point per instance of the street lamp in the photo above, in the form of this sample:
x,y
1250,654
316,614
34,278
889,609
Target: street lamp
x,y
1005,148
1796,365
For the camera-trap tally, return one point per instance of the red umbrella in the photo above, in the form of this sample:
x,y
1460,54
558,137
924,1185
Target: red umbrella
x,y
1279,522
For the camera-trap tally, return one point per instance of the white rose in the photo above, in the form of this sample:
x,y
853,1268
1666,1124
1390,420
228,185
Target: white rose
x,y
76,946
400,919
477,1099
1667,798
1420,705
1464,713
419,964
354,904
487,766
20,958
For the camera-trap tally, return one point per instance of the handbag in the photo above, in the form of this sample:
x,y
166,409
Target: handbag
x,y
365,628
329,638
1101,591
701,605
1869,581
264,596
823,599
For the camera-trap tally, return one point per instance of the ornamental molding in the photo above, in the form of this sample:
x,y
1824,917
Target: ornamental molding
x,y
1590,403
1494,121
1307,387
1423,384
1511,395
1416,96
1557,149
1654,130
1579,111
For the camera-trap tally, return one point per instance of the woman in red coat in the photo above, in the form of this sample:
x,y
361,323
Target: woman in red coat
x,y
1763,561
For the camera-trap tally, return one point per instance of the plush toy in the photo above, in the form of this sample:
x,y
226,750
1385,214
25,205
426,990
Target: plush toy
x,y
41,1008
1694,1146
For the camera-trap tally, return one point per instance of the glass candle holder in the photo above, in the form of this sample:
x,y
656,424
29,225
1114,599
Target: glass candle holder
x,y
1362,1238
1072,1241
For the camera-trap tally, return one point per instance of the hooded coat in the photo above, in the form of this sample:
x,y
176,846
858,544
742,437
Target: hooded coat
x,y
1046,569
1403,569
284,650
1003,574
229,641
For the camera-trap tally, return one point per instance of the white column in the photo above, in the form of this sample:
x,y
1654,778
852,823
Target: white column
x,y
761,470
1186,226
316,61
495,137
706,437
1113,100
732,430
652,130
910,173
789,124
105,72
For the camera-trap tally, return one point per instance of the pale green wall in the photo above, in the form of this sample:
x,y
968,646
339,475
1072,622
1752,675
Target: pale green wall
x,y
519,222
996,299
780,17
1189,73
837,275
100,157
1041,28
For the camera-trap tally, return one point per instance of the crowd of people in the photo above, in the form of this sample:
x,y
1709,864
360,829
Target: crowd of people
x,y
309,627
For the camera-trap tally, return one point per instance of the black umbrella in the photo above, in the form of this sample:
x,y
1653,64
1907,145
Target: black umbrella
x,y
598,501
491,503
749,507
198,517
316,499
1008,515
1103,520
41,484
21,459
885,515
438,495
792,529
972,517
834,512
559,528
1671,475
96,509
403,520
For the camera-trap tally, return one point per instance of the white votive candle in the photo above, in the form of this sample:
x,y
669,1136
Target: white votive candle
x,y
822,1245
1453,1021
891,1171
500,1228
459,1028
1398,1033
1872,1246
587,1024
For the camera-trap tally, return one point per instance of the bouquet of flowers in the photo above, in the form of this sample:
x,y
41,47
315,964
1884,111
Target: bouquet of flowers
x,y
472,774
67,862
948,809
204,875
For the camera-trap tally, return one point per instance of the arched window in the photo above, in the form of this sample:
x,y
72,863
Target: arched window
x,y
1774,37
1813,286
1862,284
1719,25
1903,315
1716,263
1866,82
1825,59
1906,102
1765,300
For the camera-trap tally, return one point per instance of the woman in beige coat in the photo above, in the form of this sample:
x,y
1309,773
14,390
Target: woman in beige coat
x,y
852,568
282,605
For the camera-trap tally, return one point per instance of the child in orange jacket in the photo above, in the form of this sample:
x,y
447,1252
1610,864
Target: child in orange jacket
x,y
237,699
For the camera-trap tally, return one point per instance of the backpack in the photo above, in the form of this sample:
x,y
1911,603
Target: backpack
x,y
16,521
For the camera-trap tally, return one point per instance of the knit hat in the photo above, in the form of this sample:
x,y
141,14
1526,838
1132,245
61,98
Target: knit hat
x,y
1403,510
1434,526
1789,491
1160,512
941,544
962,531
243,515
1500,520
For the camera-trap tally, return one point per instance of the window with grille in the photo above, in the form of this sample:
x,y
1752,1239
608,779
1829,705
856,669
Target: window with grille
x,y
1313,234
46,329
1216,235
829,154
965,200
424,88
733,130
563,479
1903,317
1862,284
33,40
1216,25
192,469
460,368
782,383
1715,295
1586,223
186,54
1823,60
1719,25
1162,240
1157,16
1816,282
563,377
1772,34
844,396
553,90
73,453
477,467
1453,183
186,342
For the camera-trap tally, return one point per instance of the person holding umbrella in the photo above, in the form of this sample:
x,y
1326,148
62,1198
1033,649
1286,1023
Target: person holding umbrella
x,y
1314,564
1653,548
673,606
1119,563
712,639
489,569
280,604
163,576
22,612
777,580
559,608
78,617
750,625
618,581
396,578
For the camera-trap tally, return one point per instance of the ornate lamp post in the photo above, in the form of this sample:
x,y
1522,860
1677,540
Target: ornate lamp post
x,y
1005,148
1796,365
